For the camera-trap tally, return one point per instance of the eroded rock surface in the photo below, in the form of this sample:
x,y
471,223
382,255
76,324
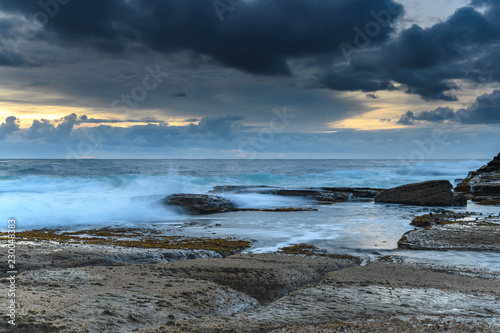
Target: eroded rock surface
x,y
383,291
265,277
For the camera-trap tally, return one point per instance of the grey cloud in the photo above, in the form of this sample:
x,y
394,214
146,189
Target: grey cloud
x,y
46,131
222,128
372,96
485,110
10,125
438,115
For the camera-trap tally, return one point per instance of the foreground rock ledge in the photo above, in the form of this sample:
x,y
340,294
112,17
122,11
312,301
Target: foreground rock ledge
x,y
223,295
429,193
125,297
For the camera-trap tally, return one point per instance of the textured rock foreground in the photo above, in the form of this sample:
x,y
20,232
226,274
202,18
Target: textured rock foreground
x,y
240,293
384,291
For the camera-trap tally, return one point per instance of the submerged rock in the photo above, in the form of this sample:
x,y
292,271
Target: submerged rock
x,y
483,185
199,203
440,219
429,193
321,194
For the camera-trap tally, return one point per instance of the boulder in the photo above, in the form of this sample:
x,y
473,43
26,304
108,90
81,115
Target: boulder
x,y
199,203
429,193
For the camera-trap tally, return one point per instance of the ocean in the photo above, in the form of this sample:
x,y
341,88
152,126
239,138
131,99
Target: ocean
x,y
80,194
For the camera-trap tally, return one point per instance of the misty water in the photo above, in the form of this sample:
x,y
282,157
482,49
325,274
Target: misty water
x,y
97,193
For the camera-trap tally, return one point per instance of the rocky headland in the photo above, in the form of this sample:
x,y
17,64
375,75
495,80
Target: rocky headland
x,y
483,185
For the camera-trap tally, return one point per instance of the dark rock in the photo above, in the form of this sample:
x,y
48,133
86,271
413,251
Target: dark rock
x,y
430,193
321,194
199,203
484,183
459,200
486,189
439,219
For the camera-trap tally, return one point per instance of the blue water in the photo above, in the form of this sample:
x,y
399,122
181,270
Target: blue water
x,y
89,193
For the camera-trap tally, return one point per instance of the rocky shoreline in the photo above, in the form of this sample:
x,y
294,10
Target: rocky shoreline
x,y
140,280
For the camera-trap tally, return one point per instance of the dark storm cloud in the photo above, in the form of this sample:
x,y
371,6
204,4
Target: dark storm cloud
x,y
10,125
262,37
424,61
10,58
485,110
259,37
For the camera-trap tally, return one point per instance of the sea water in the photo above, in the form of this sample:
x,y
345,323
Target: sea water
x,y
79,194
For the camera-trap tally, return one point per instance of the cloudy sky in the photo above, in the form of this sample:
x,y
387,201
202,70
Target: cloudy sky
x,y
250,79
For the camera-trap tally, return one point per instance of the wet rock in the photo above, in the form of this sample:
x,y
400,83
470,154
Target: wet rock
x,y
440,219
459,200
199,203
430,193
321,194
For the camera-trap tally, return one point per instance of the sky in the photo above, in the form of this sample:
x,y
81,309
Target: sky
x,y
247,79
